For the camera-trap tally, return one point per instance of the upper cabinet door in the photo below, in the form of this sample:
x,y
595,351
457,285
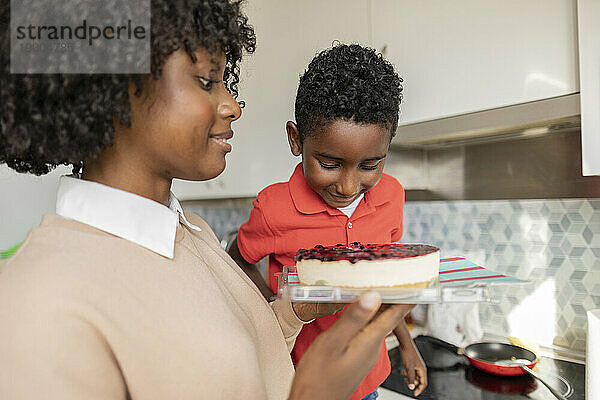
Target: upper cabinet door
x,y
289,34
589,66
462,56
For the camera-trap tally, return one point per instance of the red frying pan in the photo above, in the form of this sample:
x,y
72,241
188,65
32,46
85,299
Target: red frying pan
x,y
494,358
500,359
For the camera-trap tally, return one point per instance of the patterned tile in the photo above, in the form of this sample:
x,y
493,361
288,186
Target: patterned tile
x,y
223,220
529,239
594,203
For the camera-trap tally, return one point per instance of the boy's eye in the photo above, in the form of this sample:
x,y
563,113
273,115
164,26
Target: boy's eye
x,y
370,167
206,84
327,165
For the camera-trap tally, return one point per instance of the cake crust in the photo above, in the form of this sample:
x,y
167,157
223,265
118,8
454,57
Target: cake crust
x,y
418,285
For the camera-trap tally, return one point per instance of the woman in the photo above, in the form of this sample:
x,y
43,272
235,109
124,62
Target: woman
x,y
122,295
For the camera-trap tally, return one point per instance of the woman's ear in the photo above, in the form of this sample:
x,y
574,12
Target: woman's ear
x,y
293,138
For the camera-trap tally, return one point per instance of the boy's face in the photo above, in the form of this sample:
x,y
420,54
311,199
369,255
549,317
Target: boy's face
x,y
341,160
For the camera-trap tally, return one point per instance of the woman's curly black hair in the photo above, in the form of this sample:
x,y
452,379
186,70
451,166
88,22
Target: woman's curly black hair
x,y
348,82
48,120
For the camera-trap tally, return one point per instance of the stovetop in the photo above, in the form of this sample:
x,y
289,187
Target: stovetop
x,y
450,376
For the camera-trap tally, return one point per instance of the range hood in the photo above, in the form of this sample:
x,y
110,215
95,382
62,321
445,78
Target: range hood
x,y
557,114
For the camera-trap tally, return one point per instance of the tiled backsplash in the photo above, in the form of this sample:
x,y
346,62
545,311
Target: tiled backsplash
x,y
553,243
223,221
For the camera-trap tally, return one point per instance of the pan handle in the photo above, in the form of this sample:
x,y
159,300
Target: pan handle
x,y
448,346
554,391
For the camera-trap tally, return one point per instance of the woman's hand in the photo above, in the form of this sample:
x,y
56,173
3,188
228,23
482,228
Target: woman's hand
x,y
310,311
340,358
415,371
405,308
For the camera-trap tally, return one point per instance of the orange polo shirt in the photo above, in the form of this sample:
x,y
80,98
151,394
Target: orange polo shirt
x,y
290,215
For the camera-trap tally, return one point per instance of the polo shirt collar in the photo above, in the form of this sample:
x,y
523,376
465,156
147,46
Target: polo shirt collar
x,y
121,213
307,201
377,196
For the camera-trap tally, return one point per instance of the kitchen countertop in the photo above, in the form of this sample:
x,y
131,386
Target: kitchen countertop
x,y
386,394
451,377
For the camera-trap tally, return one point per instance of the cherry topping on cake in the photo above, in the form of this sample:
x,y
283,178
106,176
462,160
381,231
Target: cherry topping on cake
x,y
356,252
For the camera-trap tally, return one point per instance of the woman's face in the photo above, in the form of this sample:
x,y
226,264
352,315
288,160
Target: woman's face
x,y
182,121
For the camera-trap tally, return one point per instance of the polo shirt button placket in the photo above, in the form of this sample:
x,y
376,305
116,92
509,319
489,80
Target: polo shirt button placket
x,y
348,227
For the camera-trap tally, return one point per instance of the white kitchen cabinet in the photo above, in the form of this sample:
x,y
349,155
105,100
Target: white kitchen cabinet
x,y
463,56
289,33
589,69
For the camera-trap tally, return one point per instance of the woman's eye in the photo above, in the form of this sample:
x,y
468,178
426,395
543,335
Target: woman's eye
x,y
327,166
206,84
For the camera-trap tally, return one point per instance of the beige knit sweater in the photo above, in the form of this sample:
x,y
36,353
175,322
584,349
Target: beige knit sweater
x,y
86,315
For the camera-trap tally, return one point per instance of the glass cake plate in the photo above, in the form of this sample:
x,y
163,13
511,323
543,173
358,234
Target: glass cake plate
x,y
460,281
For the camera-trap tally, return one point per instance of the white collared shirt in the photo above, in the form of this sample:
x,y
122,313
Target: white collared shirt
x,y
121,213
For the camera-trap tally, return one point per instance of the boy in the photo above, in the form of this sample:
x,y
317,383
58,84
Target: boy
x,y
346,115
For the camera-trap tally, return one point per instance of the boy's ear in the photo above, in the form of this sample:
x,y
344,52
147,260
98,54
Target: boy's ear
x,y
293,138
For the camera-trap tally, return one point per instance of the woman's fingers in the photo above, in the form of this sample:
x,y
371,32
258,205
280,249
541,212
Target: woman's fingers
x,y
405,307
384,323
355,318
374,333
340,358
325,371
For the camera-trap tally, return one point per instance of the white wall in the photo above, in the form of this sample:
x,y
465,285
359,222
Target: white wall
x,y
24,199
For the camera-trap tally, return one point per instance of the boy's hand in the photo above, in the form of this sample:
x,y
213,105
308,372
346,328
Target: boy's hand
x,y
415,371
339,359
309,311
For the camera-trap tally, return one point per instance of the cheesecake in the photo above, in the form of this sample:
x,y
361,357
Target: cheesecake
x,y
369,265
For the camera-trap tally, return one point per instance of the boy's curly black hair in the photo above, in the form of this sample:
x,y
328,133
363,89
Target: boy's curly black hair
x,y
48,120
348,82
